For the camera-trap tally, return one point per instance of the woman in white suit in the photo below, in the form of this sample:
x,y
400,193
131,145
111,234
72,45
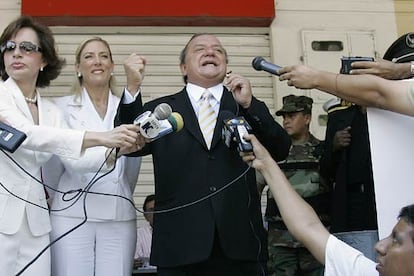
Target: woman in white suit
x,y
28,60
105,244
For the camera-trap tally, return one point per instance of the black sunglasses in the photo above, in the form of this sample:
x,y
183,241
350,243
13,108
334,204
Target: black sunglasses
x,y
26,46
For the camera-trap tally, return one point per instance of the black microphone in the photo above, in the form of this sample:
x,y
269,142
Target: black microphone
x,y
149,123
234,129
260,63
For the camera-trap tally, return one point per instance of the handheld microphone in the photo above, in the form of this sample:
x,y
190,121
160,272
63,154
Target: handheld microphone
x,y
150,122
174,123
260,63
233,131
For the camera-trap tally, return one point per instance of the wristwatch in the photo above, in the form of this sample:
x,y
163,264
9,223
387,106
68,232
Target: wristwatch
x,y
412,68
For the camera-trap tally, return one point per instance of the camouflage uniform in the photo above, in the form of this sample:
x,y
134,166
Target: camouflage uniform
x,y
287,256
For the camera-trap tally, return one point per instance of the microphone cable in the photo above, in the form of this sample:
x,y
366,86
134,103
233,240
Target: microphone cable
x,y
256,236
202,198
85,192
77,195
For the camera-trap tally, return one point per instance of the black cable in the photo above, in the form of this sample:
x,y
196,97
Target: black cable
x,y
256,236
88,187
43,184
86,191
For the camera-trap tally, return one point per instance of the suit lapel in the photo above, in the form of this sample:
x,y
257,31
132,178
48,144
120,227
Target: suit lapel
x,y
78,112
18,97
80,115
182,105
226,103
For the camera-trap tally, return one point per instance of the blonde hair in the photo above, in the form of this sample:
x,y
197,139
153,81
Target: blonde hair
x,y
77,83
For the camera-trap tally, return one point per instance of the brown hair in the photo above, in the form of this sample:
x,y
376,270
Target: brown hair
x,y
47,44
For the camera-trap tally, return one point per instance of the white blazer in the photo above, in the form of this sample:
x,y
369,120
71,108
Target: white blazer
x,y
79,113
42,140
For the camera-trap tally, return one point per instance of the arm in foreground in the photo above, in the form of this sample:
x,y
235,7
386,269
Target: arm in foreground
x,y
382,68
119,137
365,90
299,217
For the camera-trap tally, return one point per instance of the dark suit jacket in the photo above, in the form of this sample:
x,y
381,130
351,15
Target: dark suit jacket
x,y
186,171
349,168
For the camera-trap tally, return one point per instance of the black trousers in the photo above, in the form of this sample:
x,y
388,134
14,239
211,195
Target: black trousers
x,y
217,265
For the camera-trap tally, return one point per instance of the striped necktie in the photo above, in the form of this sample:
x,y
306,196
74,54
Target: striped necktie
x,y
206,117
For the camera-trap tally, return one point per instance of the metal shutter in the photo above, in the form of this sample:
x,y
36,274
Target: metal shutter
x,y
161,46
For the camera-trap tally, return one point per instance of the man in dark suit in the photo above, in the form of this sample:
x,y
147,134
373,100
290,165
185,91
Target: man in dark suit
x,y
223,234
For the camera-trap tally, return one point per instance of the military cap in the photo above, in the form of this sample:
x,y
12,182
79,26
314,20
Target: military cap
x,y
293,103
401,50
336,104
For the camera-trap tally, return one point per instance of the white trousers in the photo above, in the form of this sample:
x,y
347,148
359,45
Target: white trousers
x,y
95,248
18,250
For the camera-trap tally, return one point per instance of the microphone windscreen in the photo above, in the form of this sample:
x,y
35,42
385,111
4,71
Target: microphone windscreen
x,y
176,121
257,63
162,111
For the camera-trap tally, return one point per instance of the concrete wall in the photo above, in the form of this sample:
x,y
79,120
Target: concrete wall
x,y
404,11
9,10
293,16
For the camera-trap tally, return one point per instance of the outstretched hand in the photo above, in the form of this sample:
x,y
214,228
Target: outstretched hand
x,y
260,157
382,68
138,145
299,76
121,136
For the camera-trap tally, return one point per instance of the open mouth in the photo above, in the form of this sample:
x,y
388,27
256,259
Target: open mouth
x,y
209,62
99,71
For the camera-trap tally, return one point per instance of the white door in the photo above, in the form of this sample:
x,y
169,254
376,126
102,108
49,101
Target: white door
x,y
323,50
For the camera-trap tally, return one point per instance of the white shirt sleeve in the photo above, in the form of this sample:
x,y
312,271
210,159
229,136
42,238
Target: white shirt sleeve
x,y
343,260
128,98
143,247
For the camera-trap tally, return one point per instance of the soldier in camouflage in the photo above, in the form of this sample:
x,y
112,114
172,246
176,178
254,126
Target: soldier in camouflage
x,y
287,256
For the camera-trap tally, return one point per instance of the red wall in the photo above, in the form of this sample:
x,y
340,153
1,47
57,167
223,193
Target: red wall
x,y
152,12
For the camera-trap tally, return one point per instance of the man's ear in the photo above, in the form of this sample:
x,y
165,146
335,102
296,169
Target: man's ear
x,y
308,118
183,69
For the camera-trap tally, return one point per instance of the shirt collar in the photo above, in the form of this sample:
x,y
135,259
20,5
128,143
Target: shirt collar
x,y
196,91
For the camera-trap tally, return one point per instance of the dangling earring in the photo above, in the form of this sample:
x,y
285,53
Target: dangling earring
x,y
41,69
79,74
112,73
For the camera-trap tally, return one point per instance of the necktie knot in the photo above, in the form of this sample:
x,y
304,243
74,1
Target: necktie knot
x,y
206,96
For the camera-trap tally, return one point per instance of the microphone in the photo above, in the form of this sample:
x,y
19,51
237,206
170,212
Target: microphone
x,y
260,63
174,123
233,131
150,122
162,111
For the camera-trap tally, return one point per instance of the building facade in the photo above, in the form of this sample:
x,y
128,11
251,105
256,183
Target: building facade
x,y
316,33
